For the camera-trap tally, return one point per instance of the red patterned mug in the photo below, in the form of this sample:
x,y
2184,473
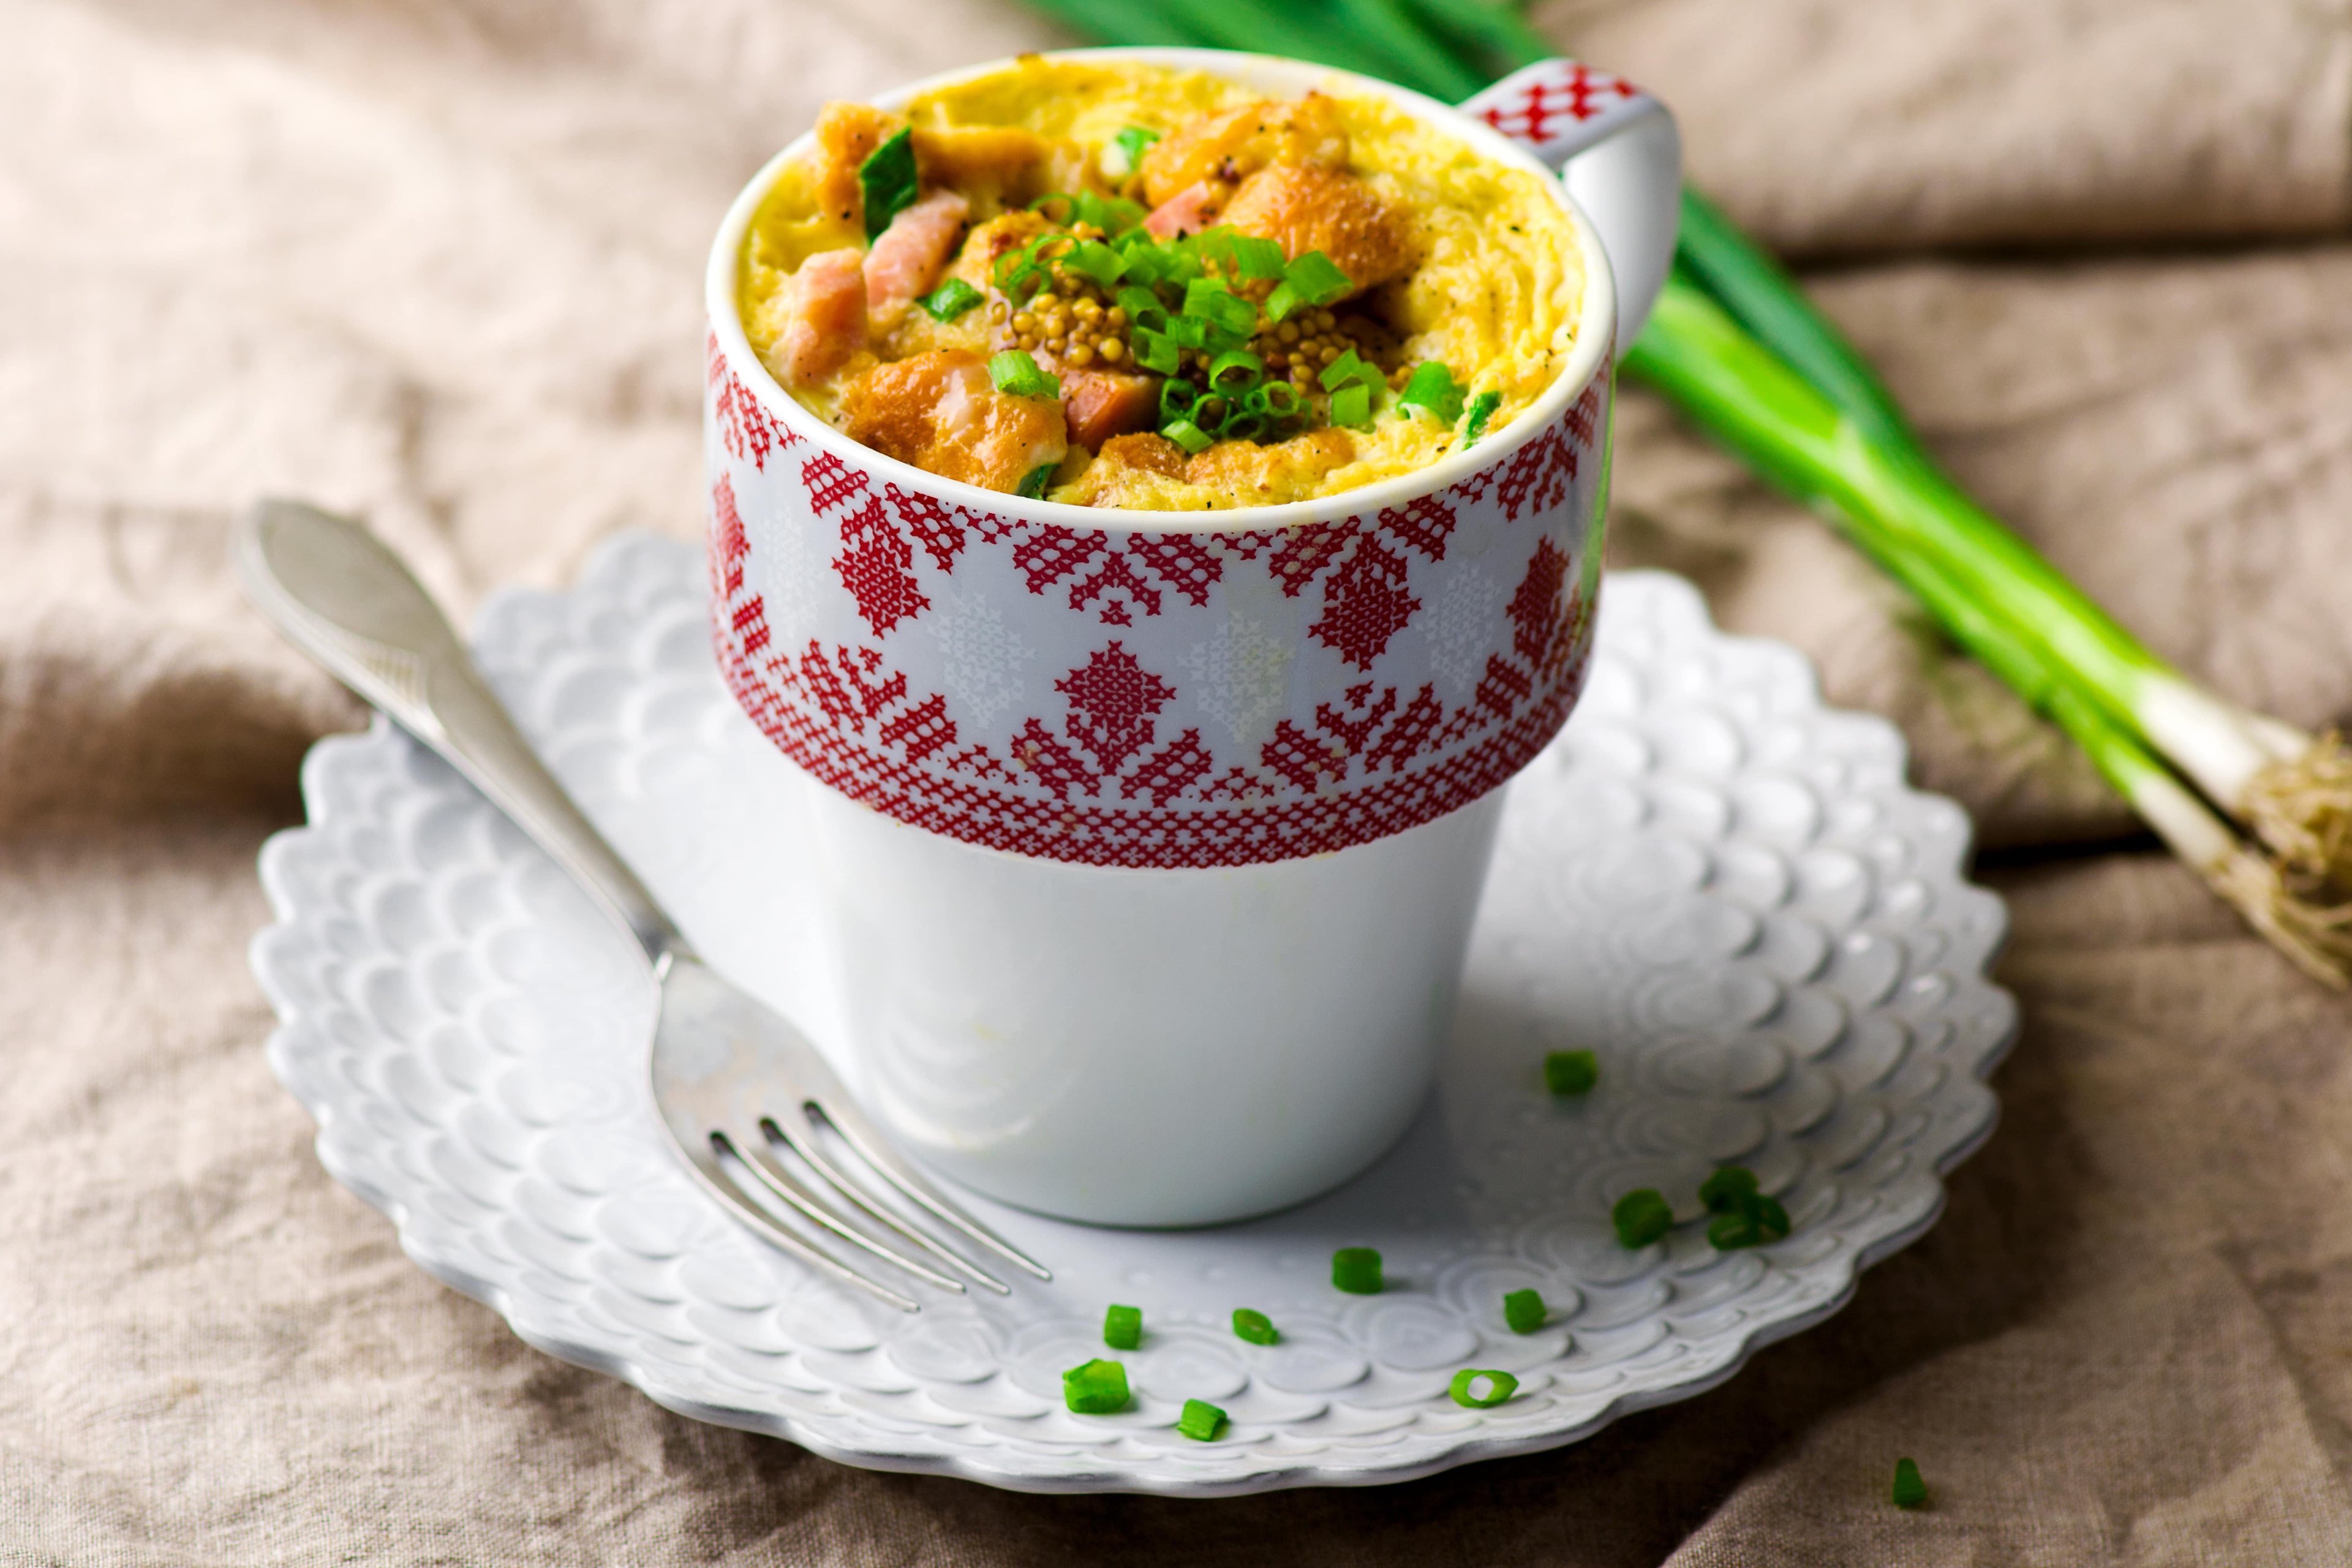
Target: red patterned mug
x,y
1152,840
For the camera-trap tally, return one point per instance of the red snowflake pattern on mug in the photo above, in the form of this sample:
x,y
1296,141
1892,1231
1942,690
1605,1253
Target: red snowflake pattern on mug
x,y
1183,695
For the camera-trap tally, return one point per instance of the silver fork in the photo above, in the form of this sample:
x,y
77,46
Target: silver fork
x,y
735,1083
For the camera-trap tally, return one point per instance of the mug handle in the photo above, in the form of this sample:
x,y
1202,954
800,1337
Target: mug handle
x,y
1617,149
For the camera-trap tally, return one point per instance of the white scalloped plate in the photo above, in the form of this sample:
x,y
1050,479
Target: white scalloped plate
x,y
1722,888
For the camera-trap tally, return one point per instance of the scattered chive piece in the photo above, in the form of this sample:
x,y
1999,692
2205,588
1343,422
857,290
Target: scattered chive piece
x,y
1254,1326
1744,1216
1352,405
1357,1270
1187,435
1571,1072
1135,141
1524,1311
1016,372
1756,1222
1095,1388
1731,1188
1123,1327
1312,280
951,299
1432,386
1910,1489
1641,1216
1033,487
1202,1421
1481,409
1500,1385
887,180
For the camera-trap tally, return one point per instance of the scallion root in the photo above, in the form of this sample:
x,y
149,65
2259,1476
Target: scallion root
x,y
2316,936
2301,806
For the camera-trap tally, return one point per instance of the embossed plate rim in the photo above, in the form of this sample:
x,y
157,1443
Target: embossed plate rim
x,y
1083,1473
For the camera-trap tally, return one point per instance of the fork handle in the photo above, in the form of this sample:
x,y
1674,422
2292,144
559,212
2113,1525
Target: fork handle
x,y
342,597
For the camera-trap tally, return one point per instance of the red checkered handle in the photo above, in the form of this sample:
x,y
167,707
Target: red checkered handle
x,y
1622,159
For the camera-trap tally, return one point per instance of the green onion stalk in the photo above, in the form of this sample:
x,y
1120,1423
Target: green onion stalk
x,y
2292,789
1738,346
1786,429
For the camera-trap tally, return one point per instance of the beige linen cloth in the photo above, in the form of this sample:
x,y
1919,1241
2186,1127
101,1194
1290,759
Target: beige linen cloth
x,y
437,262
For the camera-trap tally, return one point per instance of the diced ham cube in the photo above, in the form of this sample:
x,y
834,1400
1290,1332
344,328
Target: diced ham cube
x,y
1323,209
826,320
1189,210
908,258
939,412
847,135
1101,404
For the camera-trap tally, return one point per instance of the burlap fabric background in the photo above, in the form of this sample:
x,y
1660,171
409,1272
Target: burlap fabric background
x,y
436,261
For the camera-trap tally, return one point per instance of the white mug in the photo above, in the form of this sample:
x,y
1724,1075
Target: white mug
x,y
1151,840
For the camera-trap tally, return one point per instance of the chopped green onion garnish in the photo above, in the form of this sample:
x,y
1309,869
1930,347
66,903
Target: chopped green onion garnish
x,y
1187,435
1207,300
1202,1421
1142,306
887,180
1177,399
1352,405
1481,409
1095,1388
1033,487
1497,1386
1524,1311
1641,1216
1015,371
1571,1072
1312,280
1278,400
1349,367
1094,261
1357,1270
1432,386
1021,273
1112,215
951,299
1135,141
1236,374
1123,1327
1158,352
1254,1326
1258,258
1910,1487
1731,1188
